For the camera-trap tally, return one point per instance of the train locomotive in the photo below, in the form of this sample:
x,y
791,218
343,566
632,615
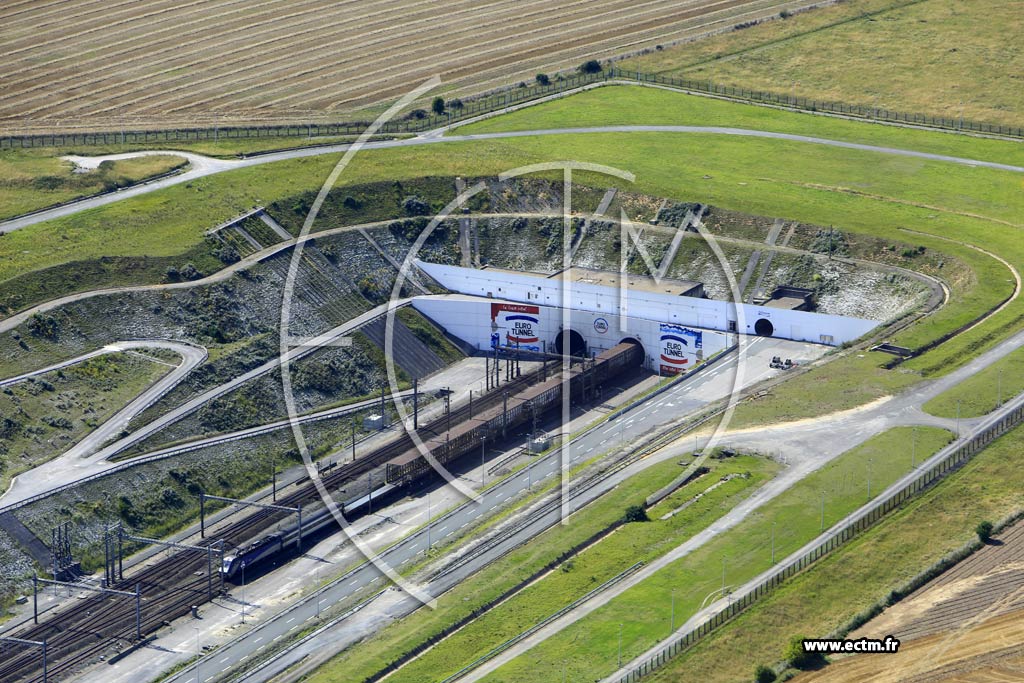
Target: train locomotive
x,y
584,379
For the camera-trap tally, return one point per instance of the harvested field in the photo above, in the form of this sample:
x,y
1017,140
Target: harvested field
x,y
82,64
966,625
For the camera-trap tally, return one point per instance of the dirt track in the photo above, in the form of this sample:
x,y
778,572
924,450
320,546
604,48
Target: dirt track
x,y
95,64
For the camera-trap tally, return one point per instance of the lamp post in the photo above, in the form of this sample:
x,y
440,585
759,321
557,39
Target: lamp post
x,y
773,543
870,460
822,509
483,469
620,645
198,653
316,570
673,622
243,591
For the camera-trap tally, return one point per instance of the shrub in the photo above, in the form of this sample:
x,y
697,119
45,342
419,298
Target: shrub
x,y
456,103
190,272
799,658
635,513
417,114
43,325
785,14
414,206
227,254
763,674
543,79
351,202
438,105
591,66
984,531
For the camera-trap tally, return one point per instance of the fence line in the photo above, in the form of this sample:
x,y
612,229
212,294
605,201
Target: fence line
x,y
855,524
497,101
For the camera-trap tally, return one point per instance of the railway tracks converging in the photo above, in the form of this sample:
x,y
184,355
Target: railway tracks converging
x,y
172,585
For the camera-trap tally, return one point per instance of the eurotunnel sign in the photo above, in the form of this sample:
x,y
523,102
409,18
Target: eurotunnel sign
x,y
520,322
679,347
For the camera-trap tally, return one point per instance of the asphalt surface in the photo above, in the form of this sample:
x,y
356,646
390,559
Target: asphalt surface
x,y
201,166
807,446
68,466
669,407
85,460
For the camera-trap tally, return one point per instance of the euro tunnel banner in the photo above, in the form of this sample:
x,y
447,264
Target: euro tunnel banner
x,y
520,323
680,348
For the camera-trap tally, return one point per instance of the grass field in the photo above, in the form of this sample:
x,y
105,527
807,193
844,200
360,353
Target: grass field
x,y
42,417
587,649
983,392
820,600
863,191
82,64
34,179
936,57
574,578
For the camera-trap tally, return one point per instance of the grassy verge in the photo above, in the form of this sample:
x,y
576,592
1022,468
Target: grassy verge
x,y
620,105
35,179
44,416
844,53
427,333
820,600
588,648
587,570
984,391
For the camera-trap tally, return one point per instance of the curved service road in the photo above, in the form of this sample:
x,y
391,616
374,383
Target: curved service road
x,y
203,166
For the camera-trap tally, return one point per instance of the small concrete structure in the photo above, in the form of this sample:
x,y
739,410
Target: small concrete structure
x,y
373,422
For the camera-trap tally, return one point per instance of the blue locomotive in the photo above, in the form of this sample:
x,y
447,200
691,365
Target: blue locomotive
x,y
256,551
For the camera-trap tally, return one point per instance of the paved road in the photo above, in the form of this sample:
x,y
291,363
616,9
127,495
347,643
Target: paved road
x,y
656,412
43,477
202,166
74,464
808,445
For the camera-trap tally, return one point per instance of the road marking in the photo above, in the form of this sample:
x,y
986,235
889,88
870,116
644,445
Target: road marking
x,y
353,582
507,498
443,528
589,449
258,639
290,620
278,638
224,660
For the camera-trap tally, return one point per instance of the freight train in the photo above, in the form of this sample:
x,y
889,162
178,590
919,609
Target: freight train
x,y
584,379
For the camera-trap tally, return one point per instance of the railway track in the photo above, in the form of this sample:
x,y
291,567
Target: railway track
x,y
169,587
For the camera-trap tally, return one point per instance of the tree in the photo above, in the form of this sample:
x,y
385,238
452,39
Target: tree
x,y
591,66
799,658
763,674
984,531
438,105
543,79
635,513
456,103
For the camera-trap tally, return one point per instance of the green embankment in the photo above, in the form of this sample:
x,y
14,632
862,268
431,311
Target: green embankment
x,y
573,579
856,577
588,648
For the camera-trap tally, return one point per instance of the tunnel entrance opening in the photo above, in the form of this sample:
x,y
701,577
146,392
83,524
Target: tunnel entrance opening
x,y
764,328
643,354
572,344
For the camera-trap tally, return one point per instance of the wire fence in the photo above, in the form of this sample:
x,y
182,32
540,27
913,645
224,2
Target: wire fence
x,y
420,120
417,121
950,462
